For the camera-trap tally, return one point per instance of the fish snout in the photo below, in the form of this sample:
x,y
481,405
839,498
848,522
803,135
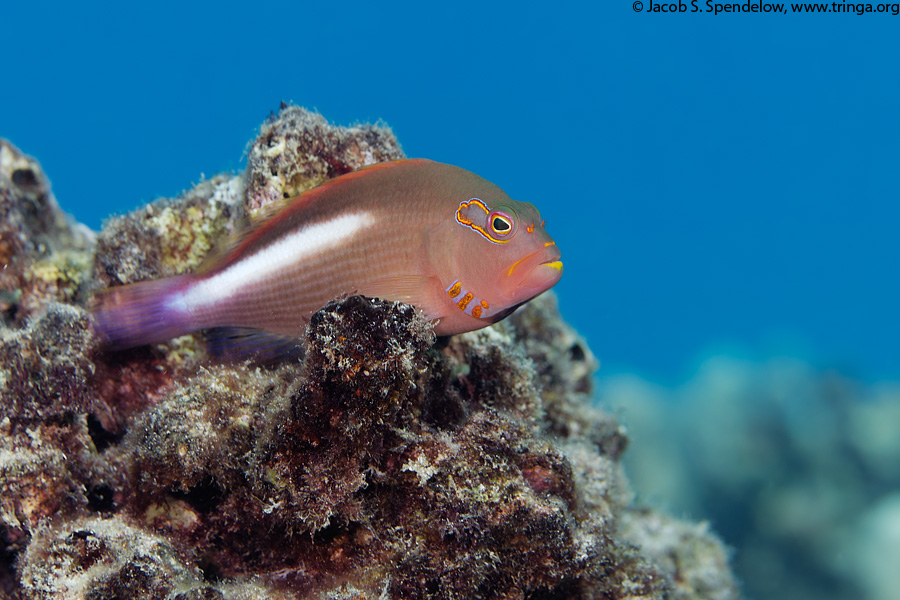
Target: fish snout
x,y
540,272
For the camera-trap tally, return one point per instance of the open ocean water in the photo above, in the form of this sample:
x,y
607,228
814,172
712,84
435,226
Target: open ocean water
x,y
724,189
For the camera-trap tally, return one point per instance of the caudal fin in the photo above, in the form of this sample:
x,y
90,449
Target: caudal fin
x,y
141,313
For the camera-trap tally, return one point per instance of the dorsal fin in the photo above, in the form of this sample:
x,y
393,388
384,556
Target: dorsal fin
x,y
224,247
280,211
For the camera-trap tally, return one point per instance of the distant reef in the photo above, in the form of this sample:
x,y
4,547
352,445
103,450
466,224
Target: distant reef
x,y
384,464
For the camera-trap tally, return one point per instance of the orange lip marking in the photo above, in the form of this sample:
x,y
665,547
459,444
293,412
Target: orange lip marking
x,y
454,291
509,273
515,264
476,312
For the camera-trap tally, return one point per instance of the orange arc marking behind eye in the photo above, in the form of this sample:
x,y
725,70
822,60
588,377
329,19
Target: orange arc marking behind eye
x,y
463,205
463,220
530,228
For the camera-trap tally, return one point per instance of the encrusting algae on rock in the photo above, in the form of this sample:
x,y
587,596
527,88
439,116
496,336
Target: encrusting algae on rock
x,y
384,464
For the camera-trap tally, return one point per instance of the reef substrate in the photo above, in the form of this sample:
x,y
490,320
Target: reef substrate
x,y
382,464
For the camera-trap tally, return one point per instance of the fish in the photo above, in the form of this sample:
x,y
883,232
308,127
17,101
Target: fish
x,y
429,234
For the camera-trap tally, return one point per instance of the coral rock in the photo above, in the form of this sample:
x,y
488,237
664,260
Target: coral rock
x,y
43,255
46,369
168,237
298,149
381,464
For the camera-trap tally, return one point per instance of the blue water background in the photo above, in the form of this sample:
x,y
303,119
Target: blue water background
x,y
716,183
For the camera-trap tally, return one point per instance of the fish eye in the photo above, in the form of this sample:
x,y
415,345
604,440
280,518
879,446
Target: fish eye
x,y
501,223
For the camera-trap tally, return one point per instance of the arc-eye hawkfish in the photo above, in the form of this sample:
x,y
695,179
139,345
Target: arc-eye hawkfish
x,y
425,233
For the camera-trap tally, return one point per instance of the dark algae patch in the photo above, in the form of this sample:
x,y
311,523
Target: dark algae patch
x,y
380,463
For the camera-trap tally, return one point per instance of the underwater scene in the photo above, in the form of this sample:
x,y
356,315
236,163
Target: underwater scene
x,y
470,301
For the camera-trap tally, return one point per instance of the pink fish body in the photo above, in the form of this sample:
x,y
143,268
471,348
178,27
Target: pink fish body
x,y
429,234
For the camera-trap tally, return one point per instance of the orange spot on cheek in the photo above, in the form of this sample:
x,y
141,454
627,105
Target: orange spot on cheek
x,y
465,301
476,312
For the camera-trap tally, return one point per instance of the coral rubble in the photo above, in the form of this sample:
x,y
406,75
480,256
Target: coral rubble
x,y
42,253
381,464
298,150
799,470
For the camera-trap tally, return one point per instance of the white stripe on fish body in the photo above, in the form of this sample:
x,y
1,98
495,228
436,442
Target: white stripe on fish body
x,y
279,256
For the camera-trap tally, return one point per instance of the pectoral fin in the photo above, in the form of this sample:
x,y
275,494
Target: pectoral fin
x,y
411,289
405,288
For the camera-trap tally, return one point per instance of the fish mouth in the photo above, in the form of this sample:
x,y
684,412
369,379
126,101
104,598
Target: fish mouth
x,y
543,277
556,264
549,253
545,271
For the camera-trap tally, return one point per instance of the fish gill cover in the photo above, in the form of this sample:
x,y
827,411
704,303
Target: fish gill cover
x,y
381,465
